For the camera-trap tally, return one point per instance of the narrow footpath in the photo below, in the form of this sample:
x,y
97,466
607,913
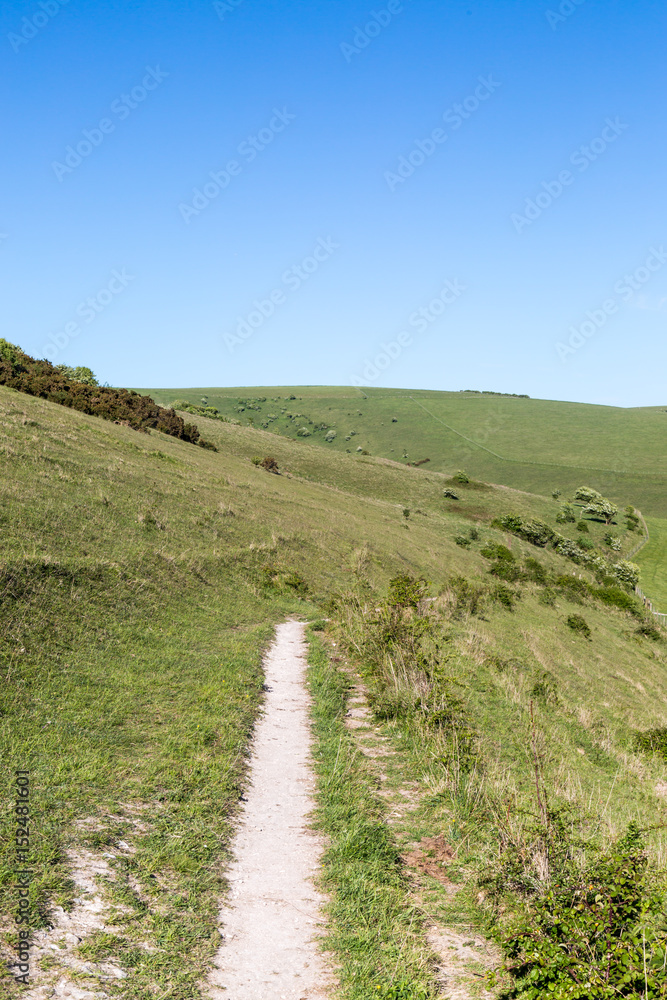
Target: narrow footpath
x,y
273,917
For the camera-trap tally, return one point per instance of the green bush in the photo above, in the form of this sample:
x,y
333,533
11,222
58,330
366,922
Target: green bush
x,y
461,477
450,494
566,515
505,596
583,527
650,630
580,625
463,540
595,933
494,550
535,571
536,532
406,592
618,598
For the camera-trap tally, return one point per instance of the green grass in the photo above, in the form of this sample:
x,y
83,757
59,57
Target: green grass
x,y
529,444
139,581
653,563
375,930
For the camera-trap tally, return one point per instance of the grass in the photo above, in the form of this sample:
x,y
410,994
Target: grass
x,y
375,930
653,563
529,444
139,582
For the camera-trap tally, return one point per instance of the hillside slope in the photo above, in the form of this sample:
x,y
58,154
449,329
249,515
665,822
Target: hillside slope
x,y
529,444
141,578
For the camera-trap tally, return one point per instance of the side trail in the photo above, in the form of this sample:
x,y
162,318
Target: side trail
x,y
272,920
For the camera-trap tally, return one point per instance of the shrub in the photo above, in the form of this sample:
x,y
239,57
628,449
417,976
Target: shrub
x,y
406,512
450,494
461,477
572,587
536,532
505,596
580,625
330,436
474,534
494,550
593,934
587,544
583,527
627,573
652,741
406,591
468,596
557,494
650,630
535,571
83,375
303,432
566,515
269,463
463,540
40,378
618,598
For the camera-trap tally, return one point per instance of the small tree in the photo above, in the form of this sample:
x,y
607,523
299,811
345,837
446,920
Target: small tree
x,y
603,509
587,495
627,572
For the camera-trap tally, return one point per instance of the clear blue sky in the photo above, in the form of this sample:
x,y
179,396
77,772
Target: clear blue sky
x,y
316,105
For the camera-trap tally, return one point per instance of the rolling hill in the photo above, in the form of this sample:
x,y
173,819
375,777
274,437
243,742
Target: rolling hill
x,y
529,444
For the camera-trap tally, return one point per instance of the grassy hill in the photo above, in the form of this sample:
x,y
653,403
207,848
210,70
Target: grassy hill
x,y
141,577
530,444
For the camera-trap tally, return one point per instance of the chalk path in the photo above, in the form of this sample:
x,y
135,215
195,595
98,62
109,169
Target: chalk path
x,y
273,918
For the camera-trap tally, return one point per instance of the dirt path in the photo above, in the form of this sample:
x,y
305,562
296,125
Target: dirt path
x,y
271,925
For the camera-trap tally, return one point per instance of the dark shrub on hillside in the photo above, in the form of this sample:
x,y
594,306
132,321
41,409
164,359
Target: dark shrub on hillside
x,y
536,532
406,592
649,630
580,625
535,571
41,378
619,599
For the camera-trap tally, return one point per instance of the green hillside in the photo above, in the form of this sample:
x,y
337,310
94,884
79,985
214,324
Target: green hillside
x,y
530,444
141,577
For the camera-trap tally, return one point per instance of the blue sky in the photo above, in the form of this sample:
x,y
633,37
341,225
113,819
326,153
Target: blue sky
x,y
255,193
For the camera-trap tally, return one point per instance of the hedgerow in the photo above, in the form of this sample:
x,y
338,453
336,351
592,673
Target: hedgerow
x,y
40,378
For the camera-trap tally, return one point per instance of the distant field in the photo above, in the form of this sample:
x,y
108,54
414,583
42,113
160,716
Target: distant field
x,y
530,444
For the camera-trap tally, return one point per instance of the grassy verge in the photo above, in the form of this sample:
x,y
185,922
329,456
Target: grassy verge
x,y
132,711
375,930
